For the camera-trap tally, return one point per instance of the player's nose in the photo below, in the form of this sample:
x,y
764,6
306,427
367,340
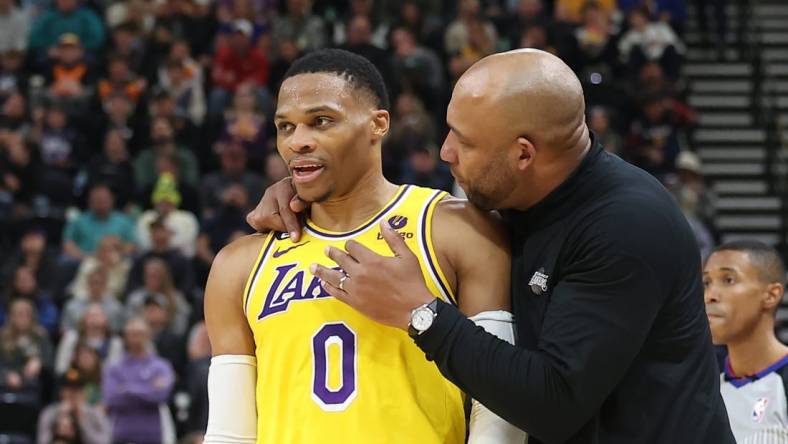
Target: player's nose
x,y
302,140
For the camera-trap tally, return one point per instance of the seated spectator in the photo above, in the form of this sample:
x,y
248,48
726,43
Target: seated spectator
x,y
411,125
18,172
199,348
690,176
14,26
275,168
127,43
360,41
183,78
301,26
162,136
599,123
653,142
109,258
744,284
158,288
113,167
81,235
424,168
595,48
73,419
527,14
119,115
424,26
234,64
469,38
571,11
161,248
226,223
13,78
25,353
233,171
25,286
166,201
288,52
70,78
245,123
136,387
121,80
93,329
418,68
66,17
648,41
87,361
33,254
167,343
97,293
163,105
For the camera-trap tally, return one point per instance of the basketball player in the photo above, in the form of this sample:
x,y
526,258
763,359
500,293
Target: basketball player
x,y
312,368
745,282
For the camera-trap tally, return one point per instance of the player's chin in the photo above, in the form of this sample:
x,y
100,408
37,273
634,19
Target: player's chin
x,y
313,192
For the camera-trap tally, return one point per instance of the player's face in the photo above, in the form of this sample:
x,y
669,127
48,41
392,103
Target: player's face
x,y
733,295
478,156
326,134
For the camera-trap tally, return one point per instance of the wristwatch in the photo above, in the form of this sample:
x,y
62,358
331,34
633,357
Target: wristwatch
x,y
422,317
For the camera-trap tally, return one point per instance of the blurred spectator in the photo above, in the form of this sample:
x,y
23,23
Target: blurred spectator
x,y
245,123
163,105
183,224
360,41
67,16
197,377
163,139
672,12
113,167
119,115
275,167
301,26
161,248
425,169
168,343
89,364
112,261
182,77
14,114
571,11
73,419
288,52
233,171
25,286
596,50
96,293
158,288
226,222
129,45
348,27
234,64
18,176
425,27
136,388
653,141
528,14
411,126
469,26
418,68
14,26
70,77
83,233
25,352
167,165
690,176
648,41
599,123
92,329
121,80
34,254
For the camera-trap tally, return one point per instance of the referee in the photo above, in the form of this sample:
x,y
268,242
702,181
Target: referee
x,y
612,340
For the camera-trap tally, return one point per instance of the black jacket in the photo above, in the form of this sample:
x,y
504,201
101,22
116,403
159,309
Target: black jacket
x,y
613,343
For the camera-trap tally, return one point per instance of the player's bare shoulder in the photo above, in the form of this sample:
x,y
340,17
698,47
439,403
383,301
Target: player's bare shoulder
x,y
457,221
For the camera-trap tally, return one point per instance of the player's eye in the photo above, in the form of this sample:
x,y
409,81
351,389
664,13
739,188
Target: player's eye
x,y
322,121
729,280
284,127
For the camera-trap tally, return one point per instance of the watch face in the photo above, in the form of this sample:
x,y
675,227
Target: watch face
x,y
422,319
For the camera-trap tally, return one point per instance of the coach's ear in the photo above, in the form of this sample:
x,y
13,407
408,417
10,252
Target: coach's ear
x,y
525,152
380,124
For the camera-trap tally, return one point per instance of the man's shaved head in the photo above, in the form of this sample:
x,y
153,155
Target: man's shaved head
x,y
517,128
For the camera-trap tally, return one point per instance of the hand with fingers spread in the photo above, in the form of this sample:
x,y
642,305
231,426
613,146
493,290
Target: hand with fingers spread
x,y
278,210
385,289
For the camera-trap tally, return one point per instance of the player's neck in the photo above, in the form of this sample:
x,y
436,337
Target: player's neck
x,y
757,352
346,212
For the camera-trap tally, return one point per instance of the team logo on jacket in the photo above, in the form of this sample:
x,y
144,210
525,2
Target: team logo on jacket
x,y
538,282
759,410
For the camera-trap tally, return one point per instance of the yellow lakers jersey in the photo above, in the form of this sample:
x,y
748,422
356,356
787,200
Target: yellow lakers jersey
x,y
326,373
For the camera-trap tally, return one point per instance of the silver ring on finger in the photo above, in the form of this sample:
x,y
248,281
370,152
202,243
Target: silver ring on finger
x,y
342,281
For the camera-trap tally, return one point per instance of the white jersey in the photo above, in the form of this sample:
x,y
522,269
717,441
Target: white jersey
x,y
757,404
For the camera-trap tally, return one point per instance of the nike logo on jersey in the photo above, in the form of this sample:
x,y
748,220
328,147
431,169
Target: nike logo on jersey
x,y
279,253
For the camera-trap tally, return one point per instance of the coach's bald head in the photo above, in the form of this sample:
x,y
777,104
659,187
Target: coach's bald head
x,y
518,129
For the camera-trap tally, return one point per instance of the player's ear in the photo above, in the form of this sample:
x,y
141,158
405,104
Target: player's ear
x,y
774,294
525,152
380,124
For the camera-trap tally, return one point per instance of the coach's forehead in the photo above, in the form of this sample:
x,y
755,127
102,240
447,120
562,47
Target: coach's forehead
x,y
310,90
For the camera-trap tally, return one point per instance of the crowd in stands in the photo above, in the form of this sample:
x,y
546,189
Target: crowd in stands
x,y
135,135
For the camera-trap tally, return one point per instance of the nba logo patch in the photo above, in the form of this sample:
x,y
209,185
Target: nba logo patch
x,y
759,410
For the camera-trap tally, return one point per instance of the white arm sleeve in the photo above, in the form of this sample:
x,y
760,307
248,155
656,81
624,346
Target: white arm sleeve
x,y
232,412
485,426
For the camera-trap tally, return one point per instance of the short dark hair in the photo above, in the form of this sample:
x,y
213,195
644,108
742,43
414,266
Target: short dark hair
x,y
764,258
359,72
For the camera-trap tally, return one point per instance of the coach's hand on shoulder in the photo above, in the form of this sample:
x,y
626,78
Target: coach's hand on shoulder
x,y
385,289
278,210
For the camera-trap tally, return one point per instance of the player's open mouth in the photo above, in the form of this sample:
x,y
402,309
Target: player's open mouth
x,y
306,172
